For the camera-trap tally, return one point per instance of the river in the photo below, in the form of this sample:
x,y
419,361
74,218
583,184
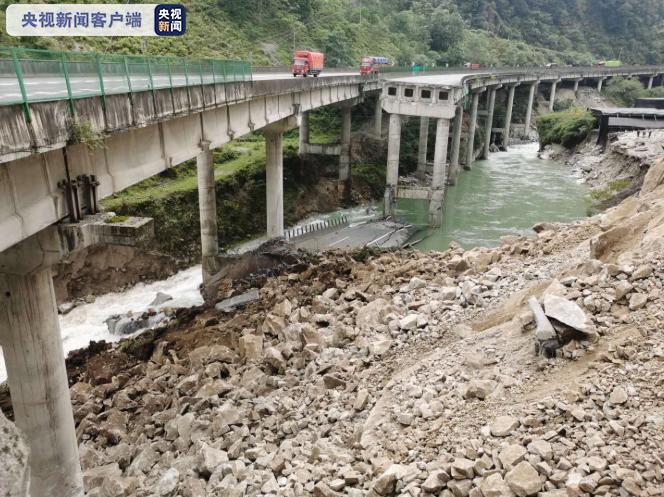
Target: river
x,y
506,194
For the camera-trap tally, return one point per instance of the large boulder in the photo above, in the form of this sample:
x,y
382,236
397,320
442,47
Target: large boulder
x,y
654,177
373,314
567,313
14,469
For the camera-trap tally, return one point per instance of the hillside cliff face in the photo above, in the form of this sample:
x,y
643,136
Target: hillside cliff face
x,y
508,32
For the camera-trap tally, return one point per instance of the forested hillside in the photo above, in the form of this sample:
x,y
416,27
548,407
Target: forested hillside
x,y
433,32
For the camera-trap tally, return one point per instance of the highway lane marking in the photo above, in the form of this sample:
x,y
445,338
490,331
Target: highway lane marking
x,y
338,241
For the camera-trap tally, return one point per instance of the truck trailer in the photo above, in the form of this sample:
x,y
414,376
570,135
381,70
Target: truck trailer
x,y
306,62
373,65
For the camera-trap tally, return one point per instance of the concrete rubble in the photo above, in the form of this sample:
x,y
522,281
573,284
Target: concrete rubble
x,y
403,374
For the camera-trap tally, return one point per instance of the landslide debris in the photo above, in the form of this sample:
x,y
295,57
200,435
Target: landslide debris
x,y
400,374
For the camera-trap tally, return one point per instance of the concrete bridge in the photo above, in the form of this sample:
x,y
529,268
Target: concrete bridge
x,y
445,98
51,179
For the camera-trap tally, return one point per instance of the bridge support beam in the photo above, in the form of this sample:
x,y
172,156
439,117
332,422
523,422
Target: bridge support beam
x,y
304,134
344,185
600,83
491,99
650,81
438,182
456,145
422,148
508,115
552,97
470,152
378,118
576,87
529,107
393,149
207,206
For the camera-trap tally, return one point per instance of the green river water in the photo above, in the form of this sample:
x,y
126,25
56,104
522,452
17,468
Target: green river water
x,y
506,194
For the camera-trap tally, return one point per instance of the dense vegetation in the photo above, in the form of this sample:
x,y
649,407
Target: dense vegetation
x,y
625,91
434,32
567,128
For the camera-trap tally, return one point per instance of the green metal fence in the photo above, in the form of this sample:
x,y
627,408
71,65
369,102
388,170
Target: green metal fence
x,y
30,75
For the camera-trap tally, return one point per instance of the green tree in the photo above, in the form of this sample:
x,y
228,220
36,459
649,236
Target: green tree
x,y
446,30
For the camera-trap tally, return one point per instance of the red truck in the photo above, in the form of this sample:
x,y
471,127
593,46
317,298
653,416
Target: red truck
x,y
372,65
471,65
306,62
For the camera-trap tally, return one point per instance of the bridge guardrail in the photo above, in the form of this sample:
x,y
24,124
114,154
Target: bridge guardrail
x,y
317,227
74,75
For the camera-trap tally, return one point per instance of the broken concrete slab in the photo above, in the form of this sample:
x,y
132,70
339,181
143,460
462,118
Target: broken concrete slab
x,y
229,305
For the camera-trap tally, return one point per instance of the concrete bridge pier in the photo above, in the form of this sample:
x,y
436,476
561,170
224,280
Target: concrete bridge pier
x,y
600,83
576,87
508,115
650,81
393,149
274,182
552,97
378,118
422,148
274,174
304,134
491,104
470,151
456,145
529,107
438,182
32,346
207,206
344,185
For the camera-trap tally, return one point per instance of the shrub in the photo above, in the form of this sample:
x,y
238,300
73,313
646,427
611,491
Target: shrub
x,y
372,175
560,105
624,91
568,128
83,132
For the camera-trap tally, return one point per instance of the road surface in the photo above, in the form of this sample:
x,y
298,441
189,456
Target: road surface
x,y
378,234
43,88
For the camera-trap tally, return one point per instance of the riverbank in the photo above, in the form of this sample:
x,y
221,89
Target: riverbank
x,y
380,374
617,172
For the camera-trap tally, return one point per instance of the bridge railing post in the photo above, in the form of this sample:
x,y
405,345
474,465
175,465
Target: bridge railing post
x,y
65,72
100,74
21,84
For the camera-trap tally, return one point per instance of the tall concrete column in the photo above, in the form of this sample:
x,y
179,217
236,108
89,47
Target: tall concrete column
x,y
422,148
207,206
508,115
344,157
32,347
274,183
438,182
599,85
529,108
489,122
552,97
576,86
378,118
456,144
470,152
304,133
650,81
393,149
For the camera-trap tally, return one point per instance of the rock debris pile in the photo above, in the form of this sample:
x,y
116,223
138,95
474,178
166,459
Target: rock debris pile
x,y
402,374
